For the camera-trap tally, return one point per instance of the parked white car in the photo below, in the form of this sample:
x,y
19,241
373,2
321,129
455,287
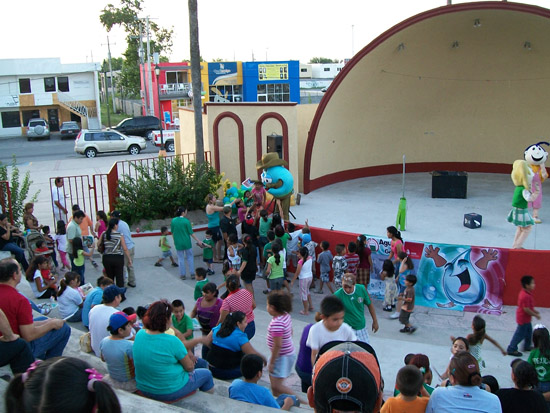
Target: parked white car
x,y
92,142
169,136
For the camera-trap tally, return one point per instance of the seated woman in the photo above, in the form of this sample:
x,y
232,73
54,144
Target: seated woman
x,y
228,344
165,371
523,397
29,220
239,299
8,234
464,394
42,283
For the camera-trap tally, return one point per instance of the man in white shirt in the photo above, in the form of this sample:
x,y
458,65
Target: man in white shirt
x,y
74,231
124,229
58,201
100,314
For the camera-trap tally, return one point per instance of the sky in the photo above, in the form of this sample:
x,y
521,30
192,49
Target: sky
x,y
230,30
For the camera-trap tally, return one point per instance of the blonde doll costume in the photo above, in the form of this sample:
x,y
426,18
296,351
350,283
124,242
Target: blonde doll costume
x,y
536,157
522,176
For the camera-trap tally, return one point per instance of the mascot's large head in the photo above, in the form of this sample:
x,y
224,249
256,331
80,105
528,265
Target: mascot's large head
x,y
535,154
277,179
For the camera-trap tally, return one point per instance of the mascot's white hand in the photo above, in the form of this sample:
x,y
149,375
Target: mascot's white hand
x,y
530,196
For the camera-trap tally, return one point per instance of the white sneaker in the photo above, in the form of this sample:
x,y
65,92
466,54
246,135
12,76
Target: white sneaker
x,y
394,316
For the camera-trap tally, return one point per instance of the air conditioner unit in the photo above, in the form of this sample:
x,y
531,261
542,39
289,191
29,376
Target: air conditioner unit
x,y
237,98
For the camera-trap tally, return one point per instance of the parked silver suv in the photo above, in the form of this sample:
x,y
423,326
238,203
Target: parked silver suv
x,y
92,142
38,128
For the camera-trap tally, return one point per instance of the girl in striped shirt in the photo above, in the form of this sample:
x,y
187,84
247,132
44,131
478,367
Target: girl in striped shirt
x,y
279,341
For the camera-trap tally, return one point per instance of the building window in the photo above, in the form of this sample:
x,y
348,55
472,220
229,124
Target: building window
x,y
273,92
338,69
303,69
326,69
63,84
49,84
24,86
275,144
176,77
225,93
11,120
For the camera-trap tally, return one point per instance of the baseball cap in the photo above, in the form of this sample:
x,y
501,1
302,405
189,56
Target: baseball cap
x,y
118,319
346,376
116,214
110,293
306,238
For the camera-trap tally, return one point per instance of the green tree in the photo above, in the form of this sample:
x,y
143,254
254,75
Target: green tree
x,y
322,60
19,190
127,17
116,62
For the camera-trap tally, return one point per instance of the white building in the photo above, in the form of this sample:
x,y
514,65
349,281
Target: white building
x,y
46,88
318,75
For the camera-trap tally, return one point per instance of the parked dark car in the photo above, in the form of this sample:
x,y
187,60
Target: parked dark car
x,y
139,126
69,130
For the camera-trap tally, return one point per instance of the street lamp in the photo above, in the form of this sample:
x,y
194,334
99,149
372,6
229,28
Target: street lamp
x,y
162,151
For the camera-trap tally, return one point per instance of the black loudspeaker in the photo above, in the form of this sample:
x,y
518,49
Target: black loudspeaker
x,y
449,184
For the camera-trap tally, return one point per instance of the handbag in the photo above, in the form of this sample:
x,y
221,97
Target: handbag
x,y
101,244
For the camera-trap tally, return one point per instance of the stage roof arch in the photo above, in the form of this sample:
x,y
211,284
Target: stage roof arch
x,y
460,87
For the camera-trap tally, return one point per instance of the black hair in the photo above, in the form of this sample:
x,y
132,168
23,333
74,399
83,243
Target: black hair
x,y
61,228
276,220
306,230
58,179
411,278
331,305
304,252
209,232
66,280
251,364
291,227
232,238
478,325
79,214
115,332
492,382
104,281
113,222
140,311
163,229
77,245
177,303
394,233
340,248
60,384
39,243
36,261
200,272
464,340
210,288
408,358
45,229
129,311
230,323
102,216
352,247
409,380
180,211
232,283
75,208
279,231
409,263
325,245
526,280
280,301
226,267
525,375
361,245
276,249
464,368
8,267
264,214
541,340
388,268
271,235
249,245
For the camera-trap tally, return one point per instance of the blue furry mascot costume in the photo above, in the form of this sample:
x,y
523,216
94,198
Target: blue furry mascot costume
x,y
278,181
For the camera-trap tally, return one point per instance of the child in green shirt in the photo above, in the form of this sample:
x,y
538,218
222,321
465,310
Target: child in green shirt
x,y
181,321
208,251
165,249
200,276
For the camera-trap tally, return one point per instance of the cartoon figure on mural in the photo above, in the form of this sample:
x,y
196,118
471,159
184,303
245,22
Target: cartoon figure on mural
x,y
462,284
277,180
536,157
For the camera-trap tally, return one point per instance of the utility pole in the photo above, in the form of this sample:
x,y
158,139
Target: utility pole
x,y
111,74
141,71
149,77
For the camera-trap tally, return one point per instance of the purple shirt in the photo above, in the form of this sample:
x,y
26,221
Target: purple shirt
x,y
303,362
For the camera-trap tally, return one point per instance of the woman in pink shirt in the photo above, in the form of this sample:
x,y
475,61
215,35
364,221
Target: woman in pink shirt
x,y
239,299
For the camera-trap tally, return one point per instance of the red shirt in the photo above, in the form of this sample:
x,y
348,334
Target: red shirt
x,y
525,300
353,262
240,300
16,307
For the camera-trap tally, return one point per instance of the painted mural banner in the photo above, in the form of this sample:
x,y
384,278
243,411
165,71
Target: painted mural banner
x,y
273,71
453,277
462,278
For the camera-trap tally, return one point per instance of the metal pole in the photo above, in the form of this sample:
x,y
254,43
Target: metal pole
x,y
111,74
108,106
149,77
142,71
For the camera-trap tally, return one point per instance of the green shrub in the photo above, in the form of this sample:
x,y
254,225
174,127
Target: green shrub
x,y
161,187
19,191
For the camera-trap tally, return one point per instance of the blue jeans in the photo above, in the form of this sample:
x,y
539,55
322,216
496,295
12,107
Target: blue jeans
x,y
226,374
52,343
250,330
17,354
183,256
198,379
76,317
80,271
523,332
19,254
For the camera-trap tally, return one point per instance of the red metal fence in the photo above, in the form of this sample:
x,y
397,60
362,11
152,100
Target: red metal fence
x,y
99,192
